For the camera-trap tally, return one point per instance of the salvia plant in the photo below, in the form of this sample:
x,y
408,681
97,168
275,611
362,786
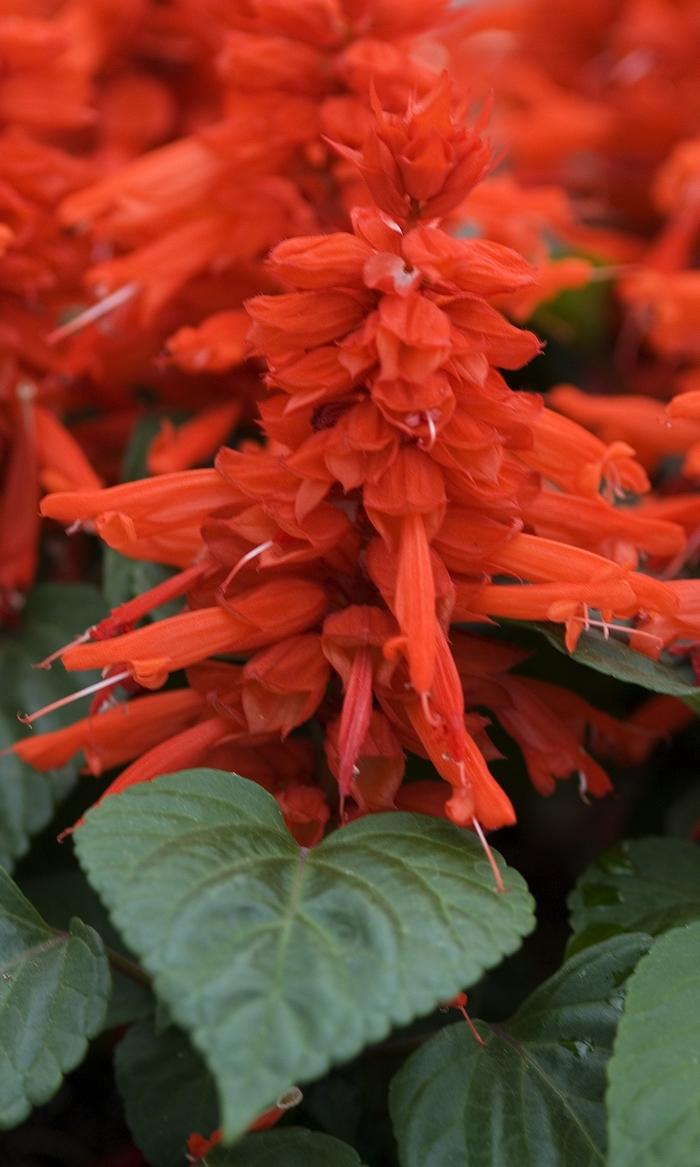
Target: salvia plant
x,y
349,558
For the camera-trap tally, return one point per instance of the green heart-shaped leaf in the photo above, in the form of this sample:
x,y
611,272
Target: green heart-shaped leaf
x,y
279,961
54,988
654,1094
534,1092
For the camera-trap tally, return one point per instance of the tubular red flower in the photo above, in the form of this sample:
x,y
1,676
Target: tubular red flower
x,y
187,748
283,685
256,618
354,720
415,602
115,736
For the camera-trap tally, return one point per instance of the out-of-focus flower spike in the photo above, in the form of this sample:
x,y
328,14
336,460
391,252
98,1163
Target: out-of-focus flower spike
x,y
19,504
685,405
63,465
216,345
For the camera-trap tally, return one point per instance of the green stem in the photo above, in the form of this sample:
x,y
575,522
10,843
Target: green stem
x,y
128,968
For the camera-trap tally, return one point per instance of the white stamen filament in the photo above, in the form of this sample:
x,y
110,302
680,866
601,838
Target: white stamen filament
x,y
583,788
48,660
489,855
94,312
28,718
606,627
247,558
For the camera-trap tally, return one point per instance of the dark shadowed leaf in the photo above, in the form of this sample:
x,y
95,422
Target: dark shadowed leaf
x,y
167,1090
534,1093
292,1147
277,960
53,615
616,659
60,894
641,885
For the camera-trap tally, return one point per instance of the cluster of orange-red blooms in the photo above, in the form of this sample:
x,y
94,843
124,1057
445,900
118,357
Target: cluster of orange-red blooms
x,y
318,227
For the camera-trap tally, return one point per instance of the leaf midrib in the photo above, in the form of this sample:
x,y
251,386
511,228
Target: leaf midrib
x,y
278,966
521,1050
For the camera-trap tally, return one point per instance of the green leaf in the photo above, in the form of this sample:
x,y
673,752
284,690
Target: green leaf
x,y
534,1093
134,461
124,578
642,885
291,1147
146,428
278,960
167,1090
616,659
585,314
654,1094
54,988
54,614
62,893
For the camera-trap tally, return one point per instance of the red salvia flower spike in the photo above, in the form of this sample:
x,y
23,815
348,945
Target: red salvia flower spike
x,y
387,414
